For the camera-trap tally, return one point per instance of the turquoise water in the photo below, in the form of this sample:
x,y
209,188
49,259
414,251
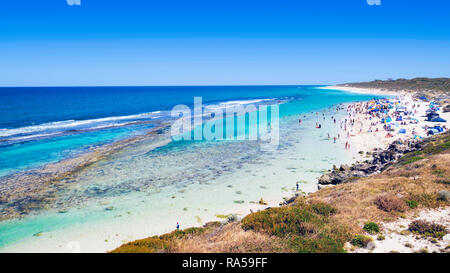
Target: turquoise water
x,y
140,181
34,122
34,154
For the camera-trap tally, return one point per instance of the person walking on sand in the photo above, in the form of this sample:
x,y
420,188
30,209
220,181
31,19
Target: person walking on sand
x,y
178,226
296,184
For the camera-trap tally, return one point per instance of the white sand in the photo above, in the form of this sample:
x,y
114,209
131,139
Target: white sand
x,y
362,140
398,239
374,91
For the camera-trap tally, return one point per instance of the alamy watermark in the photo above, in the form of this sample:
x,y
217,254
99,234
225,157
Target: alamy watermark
x,y
233,122
78,2
373,2
73,2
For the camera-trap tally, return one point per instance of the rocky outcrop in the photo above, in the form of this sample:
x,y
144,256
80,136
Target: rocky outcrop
x,y
380,160
290,200
446,109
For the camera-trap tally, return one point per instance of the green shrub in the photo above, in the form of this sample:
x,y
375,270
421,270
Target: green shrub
x,y
427,229
322,244
148,245
324,209
303,227
281,221
411,203
371,228
409,159
361,240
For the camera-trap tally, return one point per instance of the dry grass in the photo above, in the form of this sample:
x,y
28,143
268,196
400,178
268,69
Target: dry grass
x,y
389,202
355,201
230,238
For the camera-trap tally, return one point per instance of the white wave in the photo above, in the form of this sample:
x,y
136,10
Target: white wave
x,y
28,132
74,125
32,136
241,102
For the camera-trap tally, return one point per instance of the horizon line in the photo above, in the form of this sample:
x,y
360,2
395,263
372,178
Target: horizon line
x,y
194,85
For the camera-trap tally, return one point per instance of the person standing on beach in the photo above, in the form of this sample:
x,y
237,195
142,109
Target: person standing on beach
x,y
178,226
296,184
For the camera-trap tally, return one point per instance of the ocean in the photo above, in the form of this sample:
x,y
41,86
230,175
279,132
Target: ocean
x,y
144,189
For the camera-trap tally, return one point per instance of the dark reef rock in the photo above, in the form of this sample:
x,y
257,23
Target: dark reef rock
x,y
380,160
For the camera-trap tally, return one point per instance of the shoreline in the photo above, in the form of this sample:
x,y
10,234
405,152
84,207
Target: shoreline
x,y
374,91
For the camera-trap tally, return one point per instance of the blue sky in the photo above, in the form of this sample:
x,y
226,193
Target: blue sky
x,y
47,43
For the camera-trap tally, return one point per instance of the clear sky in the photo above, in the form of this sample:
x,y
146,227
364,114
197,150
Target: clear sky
x,y
137,42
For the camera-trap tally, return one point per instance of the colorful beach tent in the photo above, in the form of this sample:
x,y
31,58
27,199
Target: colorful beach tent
x,y
439,128
438,119
433,132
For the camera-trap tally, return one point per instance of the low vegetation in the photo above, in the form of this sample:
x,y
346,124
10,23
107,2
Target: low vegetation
x,y
432,85
371,228
411,203
305,227
361,240
389,202
427,229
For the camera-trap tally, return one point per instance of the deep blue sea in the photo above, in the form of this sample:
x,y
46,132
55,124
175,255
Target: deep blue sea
x,y
46,124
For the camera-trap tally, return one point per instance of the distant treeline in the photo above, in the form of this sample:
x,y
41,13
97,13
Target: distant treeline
x,y
441,85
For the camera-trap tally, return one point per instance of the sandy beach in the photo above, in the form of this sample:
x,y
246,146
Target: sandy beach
x,y
366,133
373,91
